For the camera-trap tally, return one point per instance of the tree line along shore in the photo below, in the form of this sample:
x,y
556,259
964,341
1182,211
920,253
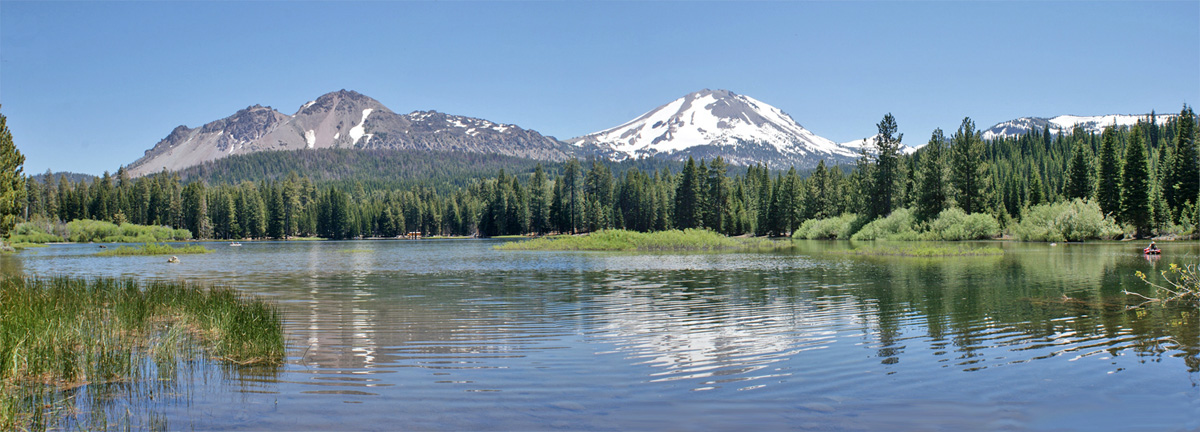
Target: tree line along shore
x,y
1142,181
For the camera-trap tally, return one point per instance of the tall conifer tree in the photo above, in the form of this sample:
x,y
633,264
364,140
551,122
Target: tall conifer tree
x,y
931,180
539,202
1135,185
1108,186
12,180
1186,170
968,167
1079,170
887,167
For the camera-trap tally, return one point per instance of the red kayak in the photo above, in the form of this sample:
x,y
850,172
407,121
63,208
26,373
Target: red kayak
x,y
1149,251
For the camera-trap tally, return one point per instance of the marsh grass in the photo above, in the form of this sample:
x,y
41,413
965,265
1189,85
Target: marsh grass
x,y
154,249
923,251
628,241
60,335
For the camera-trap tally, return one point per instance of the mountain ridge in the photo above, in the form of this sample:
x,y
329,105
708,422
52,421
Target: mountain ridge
x,y
342,119
705,124
1066,123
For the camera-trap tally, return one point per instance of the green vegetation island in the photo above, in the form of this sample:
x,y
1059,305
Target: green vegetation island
x,y
154,249
917,250
691,239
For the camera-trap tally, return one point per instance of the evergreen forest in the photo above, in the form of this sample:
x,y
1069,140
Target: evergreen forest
x,y
1144,178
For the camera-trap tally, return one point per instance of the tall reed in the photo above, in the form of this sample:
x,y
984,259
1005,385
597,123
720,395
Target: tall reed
x,y
62,333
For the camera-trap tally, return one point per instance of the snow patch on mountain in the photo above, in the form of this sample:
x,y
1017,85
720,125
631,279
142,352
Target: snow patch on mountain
x,y
358,131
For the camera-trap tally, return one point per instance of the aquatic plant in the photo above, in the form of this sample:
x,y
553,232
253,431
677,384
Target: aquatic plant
x,y
61,333
1182,286
154,249
622,240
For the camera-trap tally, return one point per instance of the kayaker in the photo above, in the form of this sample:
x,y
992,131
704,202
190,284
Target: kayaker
x,y
1153,247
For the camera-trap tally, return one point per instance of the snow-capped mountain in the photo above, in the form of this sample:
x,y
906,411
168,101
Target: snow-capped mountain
x,y
868,143
711,123
342,119
1066,123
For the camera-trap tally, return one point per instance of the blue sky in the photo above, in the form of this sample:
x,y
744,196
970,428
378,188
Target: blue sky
x,y
89,86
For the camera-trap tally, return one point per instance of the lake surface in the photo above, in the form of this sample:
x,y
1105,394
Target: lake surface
x,y
453,335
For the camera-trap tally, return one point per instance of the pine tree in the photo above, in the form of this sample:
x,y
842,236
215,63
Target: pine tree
x,y
968,167
793,201
1135,185
931,186
687,197
886,170
1108,185
598,193
718,204
1186,170
539,202
572,196
12,180
195,203
820,194
1079,171
762,183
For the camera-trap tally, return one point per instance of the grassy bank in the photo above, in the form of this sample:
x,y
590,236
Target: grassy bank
x,y
622,240
154,249
924,251
61,333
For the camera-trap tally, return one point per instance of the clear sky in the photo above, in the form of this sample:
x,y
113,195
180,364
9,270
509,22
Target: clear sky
x,y
89,86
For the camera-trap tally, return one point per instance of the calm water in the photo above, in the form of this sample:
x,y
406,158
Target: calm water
x,y
453,335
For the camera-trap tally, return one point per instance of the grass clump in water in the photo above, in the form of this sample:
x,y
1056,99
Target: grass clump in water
x,y
621,240
57,334
924,251
154,249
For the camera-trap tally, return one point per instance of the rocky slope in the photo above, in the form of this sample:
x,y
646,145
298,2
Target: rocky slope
x,y
343,119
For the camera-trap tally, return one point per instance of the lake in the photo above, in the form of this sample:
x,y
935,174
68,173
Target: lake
x,y
453,335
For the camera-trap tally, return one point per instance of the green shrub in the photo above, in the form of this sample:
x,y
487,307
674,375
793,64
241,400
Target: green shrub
x,y
1076,220
87,230
954,224
842,227
36,232
897,226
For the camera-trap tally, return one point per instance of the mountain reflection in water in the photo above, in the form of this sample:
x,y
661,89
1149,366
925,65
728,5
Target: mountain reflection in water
x,y
455,335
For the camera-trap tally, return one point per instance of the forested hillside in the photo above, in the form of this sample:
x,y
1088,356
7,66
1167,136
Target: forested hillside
x,y
1146,177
